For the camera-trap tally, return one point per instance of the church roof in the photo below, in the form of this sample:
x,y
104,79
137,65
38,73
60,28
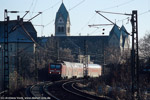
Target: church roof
x,y
124,31
115,30
62,12
124,34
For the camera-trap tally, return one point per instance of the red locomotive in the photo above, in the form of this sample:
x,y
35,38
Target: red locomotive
x,y
71,70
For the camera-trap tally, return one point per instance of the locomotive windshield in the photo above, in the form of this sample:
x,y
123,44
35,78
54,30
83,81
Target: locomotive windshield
x,y
57,66
52,66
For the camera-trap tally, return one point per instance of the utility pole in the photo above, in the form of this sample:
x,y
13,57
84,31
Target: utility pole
x,y
7,31
18,59
135,57
85,64
6,53
134,51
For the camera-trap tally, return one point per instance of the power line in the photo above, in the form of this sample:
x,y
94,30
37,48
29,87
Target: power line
x,y
49,23
34,6
94,31
87,23
148,11
128,20
119,5
31,5
51,6
114,13
111,21
76,5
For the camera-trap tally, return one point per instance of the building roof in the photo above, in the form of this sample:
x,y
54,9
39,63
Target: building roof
x,y
62,12
124,34
123,31
115,30
20,34
76,42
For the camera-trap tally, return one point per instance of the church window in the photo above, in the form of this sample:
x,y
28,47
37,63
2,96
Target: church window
x,y
59,29
62,29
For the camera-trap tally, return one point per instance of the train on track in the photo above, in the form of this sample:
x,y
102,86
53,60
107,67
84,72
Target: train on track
x,y
68,70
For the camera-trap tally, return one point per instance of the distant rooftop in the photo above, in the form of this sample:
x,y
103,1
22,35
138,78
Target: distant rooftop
x,y
18,35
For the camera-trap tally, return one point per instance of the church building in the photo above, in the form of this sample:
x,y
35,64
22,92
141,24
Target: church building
x,y
117,38
62,22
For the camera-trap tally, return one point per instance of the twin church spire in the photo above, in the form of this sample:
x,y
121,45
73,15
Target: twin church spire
x,y
62,21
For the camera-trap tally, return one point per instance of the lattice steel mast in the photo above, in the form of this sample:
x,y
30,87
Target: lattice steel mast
x,y
135,56
6,52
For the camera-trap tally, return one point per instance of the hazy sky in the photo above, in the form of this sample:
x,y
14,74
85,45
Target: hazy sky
x,y
82,13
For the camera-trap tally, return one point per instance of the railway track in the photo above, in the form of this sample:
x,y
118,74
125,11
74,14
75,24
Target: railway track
x,y
69,86
65,90
3,93
59,90
39,92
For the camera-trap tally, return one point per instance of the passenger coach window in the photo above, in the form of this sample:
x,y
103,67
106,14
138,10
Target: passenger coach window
x,y
52,66
57,66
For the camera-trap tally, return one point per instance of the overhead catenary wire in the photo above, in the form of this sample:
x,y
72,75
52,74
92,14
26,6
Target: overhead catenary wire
x,y
49,23
31,5
111,21
43,26
148,11
113,13
128,19
34,8
51,6
76,5
35,5
119,5
86,24
93,31
116,5
34,2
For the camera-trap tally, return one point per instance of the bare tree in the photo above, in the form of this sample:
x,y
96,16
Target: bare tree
x,y
144,46
55,52
113,55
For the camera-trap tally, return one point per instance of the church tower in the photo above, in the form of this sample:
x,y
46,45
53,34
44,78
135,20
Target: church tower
x,y
62,22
